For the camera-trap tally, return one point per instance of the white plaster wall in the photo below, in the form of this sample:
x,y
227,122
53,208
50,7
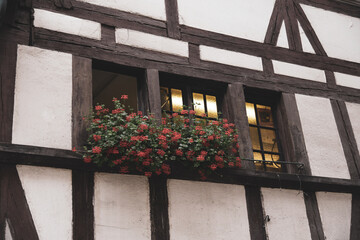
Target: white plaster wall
x,y
335,213
322,140
8,235
339,34
282,39
152,42
299,71
67,24
287,212
43,98
347,80
207,211
306,45
230,58
239,18
121,207
354,114
150,8
49,194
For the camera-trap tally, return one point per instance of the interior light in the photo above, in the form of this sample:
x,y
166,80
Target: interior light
x,y
176,98
211,106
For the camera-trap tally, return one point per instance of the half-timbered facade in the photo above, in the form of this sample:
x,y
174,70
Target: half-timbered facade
x,y
286,72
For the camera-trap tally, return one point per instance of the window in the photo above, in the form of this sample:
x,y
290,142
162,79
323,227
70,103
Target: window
x,y
205,101
263,131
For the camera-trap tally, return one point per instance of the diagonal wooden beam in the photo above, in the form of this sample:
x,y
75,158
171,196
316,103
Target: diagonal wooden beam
x,y
274,26
291,25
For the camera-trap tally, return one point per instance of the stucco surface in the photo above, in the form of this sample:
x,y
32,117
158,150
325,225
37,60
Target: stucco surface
x,y
294,70
230,58
322,140
43,98
335,213
121,207
207,211
282,39
150,8
245,19
354,114
339,34
287,212
67,24
49,194
347,80
152,42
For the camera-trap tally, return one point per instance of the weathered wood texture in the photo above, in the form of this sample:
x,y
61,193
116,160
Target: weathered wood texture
x,y
8,53
108,35
313,214
172,19
291,133
38,156
159,215
83,209
14,206
153,86
194,54
81,99
255,213
276,19
355,217
142,58
235,111
291,25
347,138
351,8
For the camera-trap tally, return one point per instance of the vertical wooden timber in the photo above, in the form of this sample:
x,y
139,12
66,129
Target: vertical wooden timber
x,y
159,208
194,53
83,208
81,99
255,213
355,217
8,56
235,110
347,137
172,19
313,214
108,35
291,25
13,205
153,88
291,132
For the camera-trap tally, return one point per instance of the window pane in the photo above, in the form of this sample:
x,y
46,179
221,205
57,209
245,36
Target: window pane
x,y
211,106
258,165
107,85
165,98
265,116
250,112
272,166
198,100
269,140
176,98
254,138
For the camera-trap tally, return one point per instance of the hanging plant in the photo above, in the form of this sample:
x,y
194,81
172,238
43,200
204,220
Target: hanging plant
x,y
134,142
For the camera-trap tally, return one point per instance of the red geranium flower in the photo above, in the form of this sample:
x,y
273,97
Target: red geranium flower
x,y
124,96
96,150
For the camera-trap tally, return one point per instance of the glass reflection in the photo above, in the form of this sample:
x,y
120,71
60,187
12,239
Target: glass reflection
x,y
255,138
250,112
198,100
265,116
176,99
165,99
268,138
211,106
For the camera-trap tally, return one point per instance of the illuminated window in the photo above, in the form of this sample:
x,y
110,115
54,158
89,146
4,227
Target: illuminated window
x,y
173,100
263,136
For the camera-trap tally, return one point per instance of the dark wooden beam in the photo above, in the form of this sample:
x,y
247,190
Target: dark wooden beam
x,y
355,217
17,210
291,133
172,19
335,6
347,138
8,53
255,213
159,205
313,214
153,86
291,25
194,54
81,99
276,19
234,102
108,35
141,58
83,209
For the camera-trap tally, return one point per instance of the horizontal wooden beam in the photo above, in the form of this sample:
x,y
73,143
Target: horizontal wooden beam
x,y
38,156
